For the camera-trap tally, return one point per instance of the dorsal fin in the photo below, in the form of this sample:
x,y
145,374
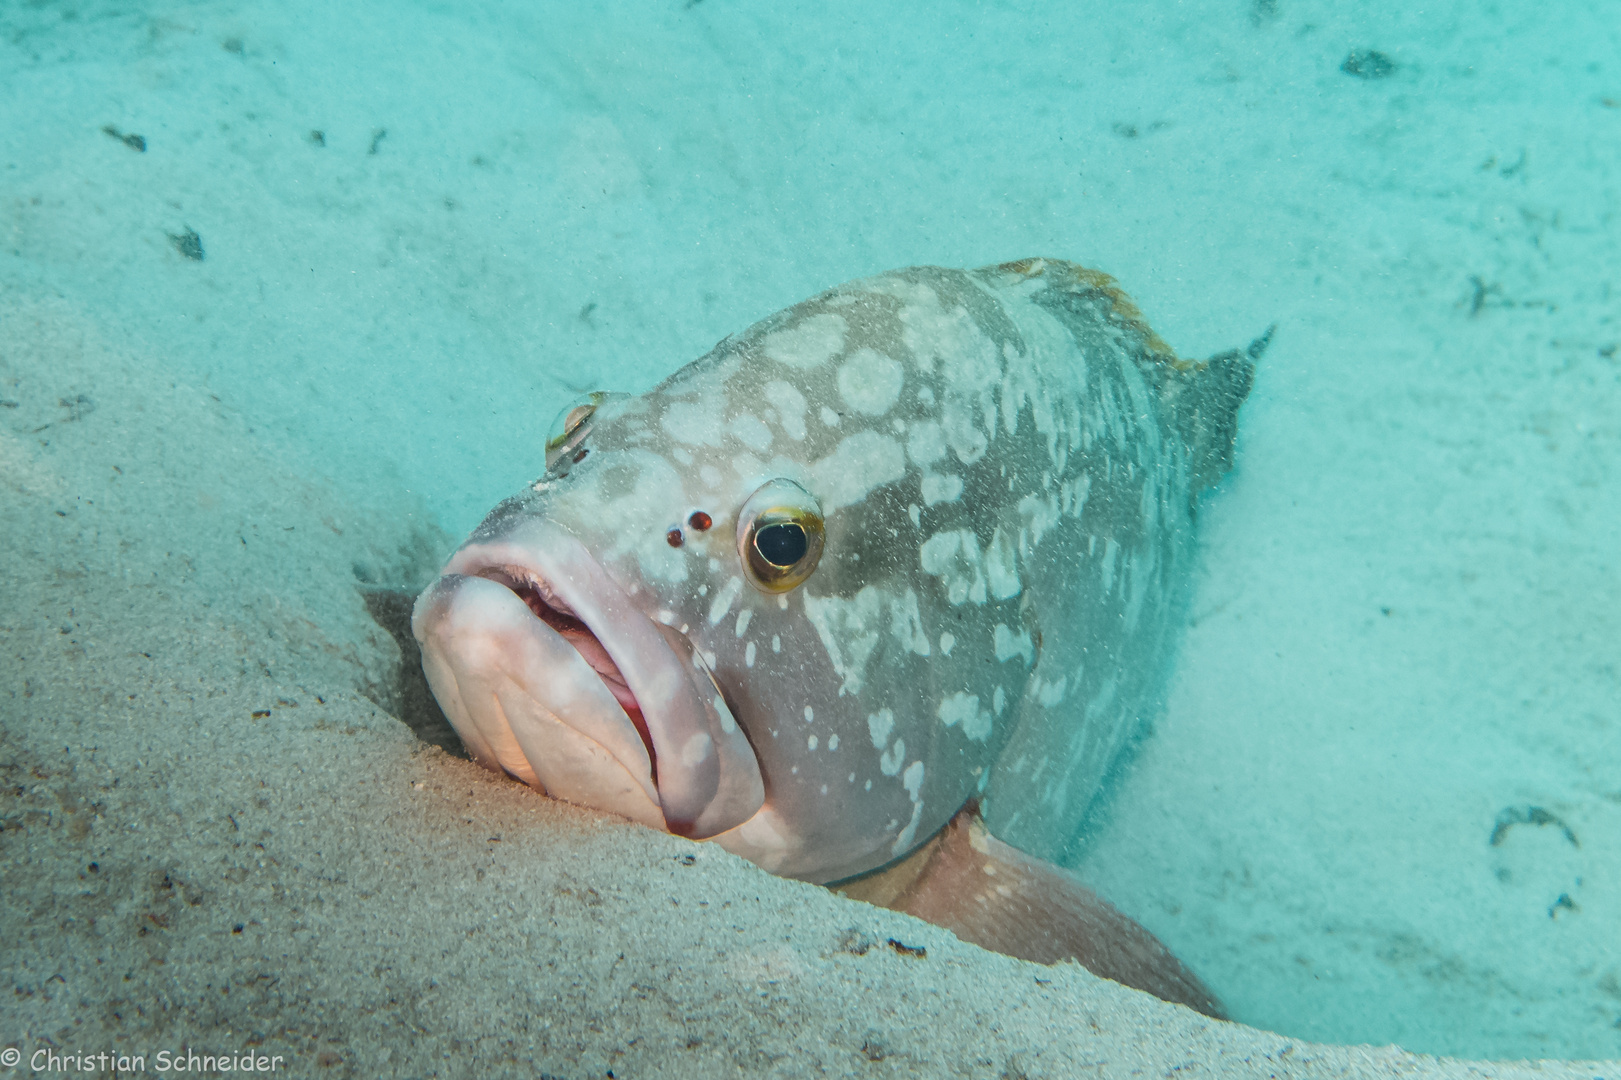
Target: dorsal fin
x,y
1001,899
1204,400
1201,396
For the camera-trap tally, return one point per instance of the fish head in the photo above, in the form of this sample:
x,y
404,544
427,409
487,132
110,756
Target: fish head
x,y
708,615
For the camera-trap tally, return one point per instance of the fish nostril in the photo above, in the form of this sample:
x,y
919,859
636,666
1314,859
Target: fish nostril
x,y
700,520
674,537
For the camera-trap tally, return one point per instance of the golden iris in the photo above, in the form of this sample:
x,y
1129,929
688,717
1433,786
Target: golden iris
x,y
779,536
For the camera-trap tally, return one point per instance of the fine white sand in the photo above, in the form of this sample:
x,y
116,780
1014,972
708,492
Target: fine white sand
x,y
218,477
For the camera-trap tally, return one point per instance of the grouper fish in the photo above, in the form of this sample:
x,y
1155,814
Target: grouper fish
x,y
874,594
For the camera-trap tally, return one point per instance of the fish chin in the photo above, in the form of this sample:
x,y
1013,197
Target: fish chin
x,y
549,673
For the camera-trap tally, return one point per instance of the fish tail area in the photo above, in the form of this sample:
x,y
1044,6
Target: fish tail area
x,y
1001,899
1201,396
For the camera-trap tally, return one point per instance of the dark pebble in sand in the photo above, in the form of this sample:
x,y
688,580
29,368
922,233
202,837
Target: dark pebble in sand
x,y
1368,64
134,142
188,244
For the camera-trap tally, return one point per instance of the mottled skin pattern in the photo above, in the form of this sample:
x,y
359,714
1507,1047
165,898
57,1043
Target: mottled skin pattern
x,y
1007,461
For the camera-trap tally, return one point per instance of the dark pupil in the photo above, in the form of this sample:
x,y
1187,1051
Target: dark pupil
x,y
782,544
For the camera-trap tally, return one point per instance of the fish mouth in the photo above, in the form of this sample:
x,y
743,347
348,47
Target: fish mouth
x,y
550,673
550,609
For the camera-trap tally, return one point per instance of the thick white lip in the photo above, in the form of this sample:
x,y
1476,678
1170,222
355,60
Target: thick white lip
x,y
529,707
483,652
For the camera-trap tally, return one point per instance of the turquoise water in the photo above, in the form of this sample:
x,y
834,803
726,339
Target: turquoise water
x,y
1384,804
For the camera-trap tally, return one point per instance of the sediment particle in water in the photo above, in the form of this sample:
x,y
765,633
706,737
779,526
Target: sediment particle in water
x,y
1368,64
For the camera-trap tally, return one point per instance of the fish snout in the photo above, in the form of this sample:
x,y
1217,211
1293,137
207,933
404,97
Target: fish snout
x,y
549,673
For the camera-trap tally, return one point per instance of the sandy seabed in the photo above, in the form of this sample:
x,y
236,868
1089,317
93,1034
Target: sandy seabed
x,y
259,369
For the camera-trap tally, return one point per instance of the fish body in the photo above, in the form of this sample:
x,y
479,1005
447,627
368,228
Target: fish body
x,y
920,540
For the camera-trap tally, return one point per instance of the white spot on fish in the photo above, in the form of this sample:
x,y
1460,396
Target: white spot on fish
x,y
1008,644
963,708
782,603
790,406
916,514
829,417
748,655
723,599
889,763
1111,551
744,617
953,557
998,700
1052,693
859,464
776,643
813,341
1037,515
1002,566
912,781
870,382
690,422
849,632
697,749
1072,494
869,785
810,743
933,333
879,725
964,437
751,432
926,444
906,623
832,742
939,489
947,640
810,715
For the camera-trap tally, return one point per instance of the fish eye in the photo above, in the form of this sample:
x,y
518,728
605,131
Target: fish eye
x,y
782,544
570,428
779,536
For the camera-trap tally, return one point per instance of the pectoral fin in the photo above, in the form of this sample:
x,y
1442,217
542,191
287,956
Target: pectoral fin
x,y
1001,899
